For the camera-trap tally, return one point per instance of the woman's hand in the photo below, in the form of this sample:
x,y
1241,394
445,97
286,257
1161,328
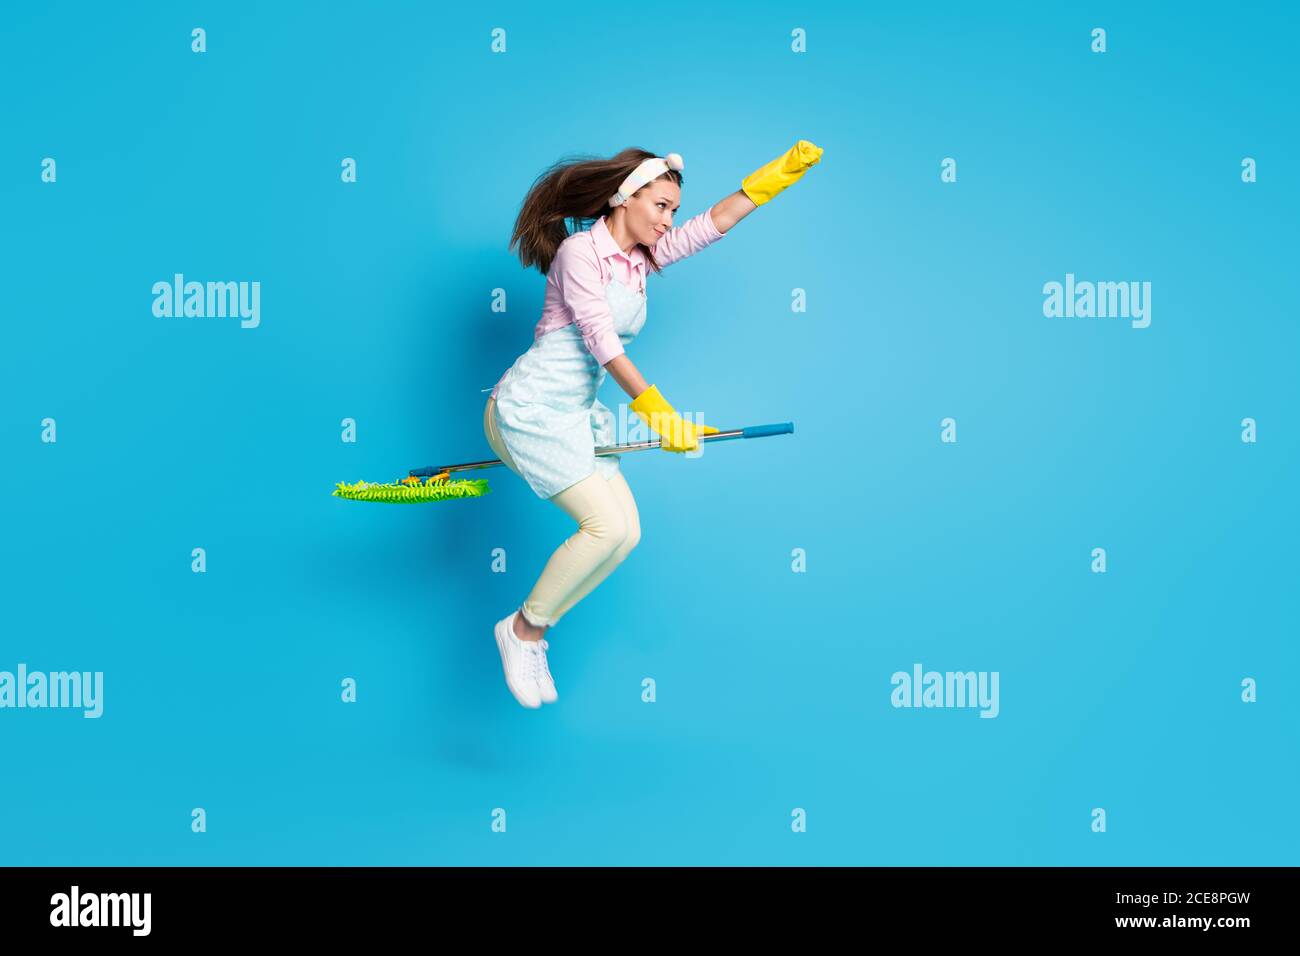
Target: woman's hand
x,y
675,433
763,184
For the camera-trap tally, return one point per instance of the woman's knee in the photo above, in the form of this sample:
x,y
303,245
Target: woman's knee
x,y
633,536
631,517
609,527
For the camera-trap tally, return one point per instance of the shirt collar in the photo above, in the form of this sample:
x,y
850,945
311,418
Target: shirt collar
x,y
606,246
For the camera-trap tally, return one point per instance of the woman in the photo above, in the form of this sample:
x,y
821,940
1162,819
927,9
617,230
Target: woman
x,y
543,418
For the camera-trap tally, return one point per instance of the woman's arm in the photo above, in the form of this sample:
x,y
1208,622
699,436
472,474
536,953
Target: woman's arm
x,y
725,214
729,211
767,181
627,375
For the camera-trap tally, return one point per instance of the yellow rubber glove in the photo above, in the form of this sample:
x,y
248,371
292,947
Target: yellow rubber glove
x,y
765,182
675,433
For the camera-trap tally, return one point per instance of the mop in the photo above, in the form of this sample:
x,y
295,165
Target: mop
x,y
435,483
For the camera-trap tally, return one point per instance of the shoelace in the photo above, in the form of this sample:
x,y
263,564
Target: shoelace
x,y
543,670
534,659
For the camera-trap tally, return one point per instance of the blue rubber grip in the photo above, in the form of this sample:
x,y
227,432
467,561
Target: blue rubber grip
x,y
762,431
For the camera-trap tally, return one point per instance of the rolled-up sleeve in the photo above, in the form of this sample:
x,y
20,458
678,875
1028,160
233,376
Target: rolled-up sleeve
x,y
695,235
576,270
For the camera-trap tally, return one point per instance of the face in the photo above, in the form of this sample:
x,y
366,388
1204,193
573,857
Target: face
x,y
650,211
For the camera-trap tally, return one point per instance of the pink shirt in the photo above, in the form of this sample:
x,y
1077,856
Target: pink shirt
x,y
585,261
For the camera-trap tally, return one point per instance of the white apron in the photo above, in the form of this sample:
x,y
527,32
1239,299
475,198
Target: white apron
x,y
547,412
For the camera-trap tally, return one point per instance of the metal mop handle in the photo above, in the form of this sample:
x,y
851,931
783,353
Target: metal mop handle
x,y
752,431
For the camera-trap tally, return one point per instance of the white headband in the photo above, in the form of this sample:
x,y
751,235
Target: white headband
x,y
648,170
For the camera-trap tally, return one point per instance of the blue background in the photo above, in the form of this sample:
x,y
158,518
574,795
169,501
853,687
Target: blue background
x,y
1118,690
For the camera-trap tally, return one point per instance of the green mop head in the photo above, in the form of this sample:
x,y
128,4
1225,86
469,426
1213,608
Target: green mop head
x,y
412,490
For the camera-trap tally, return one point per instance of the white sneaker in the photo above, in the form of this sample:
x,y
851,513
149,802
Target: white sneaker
x,y
545,683
521,661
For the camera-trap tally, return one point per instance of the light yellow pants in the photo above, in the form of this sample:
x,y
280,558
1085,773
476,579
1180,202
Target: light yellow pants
x,y
608,529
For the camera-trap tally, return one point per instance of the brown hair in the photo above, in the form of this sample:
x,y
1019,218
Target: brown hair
x,y
576,190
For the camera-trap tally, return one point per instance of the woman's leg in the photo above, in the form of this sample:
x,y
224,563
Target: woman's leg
x,y
593,504
608,528
618,484
494,435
